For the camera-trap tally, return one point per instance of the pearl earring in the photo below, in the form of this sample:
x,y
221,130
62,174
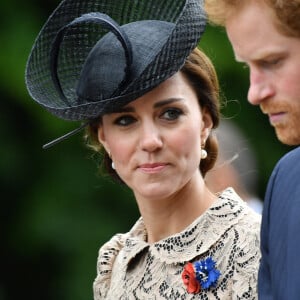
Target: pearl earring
x,y
203,153
112,163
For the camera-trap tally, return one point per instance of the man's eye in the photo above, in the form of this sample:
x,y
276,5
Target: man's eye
x,y
172,113
274,61
124,120
271,63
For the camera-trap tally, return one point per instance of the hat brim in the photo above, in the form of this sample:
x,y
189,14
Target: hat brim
x,y
189,19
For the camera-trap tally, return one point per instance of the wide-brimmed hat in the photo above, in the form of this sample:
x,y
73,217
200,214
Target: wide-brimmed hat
x,y
77,71
94,56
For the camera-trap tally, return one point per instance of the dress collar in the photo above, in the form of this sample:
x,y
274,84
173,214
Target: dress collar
x,y
194,240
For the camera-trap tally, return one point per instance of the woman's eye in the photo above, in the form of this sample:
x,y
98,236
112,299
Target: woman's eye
x,y
172,113
124,120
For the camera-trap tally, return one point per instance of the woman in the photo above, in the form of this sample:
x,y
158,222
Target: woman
x,y
155,145
150,102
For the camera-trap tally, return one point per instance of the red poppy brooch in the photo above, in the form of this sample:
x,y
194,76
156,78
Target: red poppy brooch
x,y
199,275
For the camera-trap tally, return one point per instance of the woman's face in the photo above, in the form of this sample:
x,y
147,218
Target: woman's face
x,y
155,141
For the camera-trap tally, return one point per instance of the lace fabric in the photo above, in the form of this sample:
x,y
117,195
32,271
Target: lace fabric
x,y
130,268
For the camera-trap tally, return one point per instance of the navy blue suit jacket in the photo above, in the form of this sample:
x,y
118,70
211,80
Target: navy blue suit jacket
x,y
279,273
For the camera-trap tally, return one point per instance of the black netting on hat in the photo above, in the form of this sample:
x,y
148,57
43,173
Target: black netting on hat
x,y
188,17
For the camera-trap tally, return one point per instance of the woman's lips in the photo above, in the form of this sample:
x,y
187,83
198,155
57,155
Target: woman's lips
x,y
152,167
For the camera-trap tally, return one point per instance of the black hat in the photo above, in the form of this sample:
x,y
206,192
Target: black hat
x,y
94,56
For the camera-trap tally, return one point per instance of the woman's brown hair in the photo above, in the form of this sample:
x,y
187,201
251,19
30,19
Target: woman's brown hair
x,y
202,76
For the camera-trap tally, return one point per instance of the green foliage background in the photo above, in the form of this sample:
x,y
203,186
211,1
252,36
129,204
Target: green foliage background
x,y
56,211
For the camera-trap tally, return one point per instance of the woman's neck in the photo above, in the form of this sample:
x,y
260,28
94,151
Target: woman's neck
x,y
165,217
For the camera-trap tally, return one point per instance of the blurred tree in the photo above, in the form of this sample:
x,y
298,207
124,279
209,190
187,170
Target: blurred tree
x,y
56,211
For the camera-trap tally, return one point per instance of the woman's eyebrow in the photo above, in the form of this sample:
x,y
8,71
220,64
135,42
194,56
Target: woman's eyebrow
x,y
166,102
158,104
123,110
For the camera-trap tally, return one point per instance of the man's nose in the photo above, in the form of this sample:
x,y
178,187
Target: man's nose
x,y
260,88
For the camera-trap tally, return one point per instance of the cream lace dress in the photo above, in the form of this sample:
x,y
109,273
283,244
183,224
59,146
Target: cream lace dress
x,y
130,268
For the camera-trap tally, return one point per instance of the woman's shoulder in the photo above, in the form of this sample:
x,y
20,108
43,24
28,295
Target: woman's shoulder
x,y
244,220
244,236
106,258
248,222
231,205
109,253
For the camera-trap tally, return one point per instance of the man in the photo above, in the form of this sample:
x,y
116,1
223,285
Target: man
x,y
265,35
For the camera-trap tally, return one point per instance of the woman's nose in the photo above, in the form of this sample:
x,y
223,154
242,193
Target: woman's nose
x,y
150,138
260,88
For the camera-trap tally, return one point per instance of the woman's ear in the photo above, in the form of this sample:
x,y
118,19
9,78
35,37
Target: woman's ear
x,y
207,123
101,138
